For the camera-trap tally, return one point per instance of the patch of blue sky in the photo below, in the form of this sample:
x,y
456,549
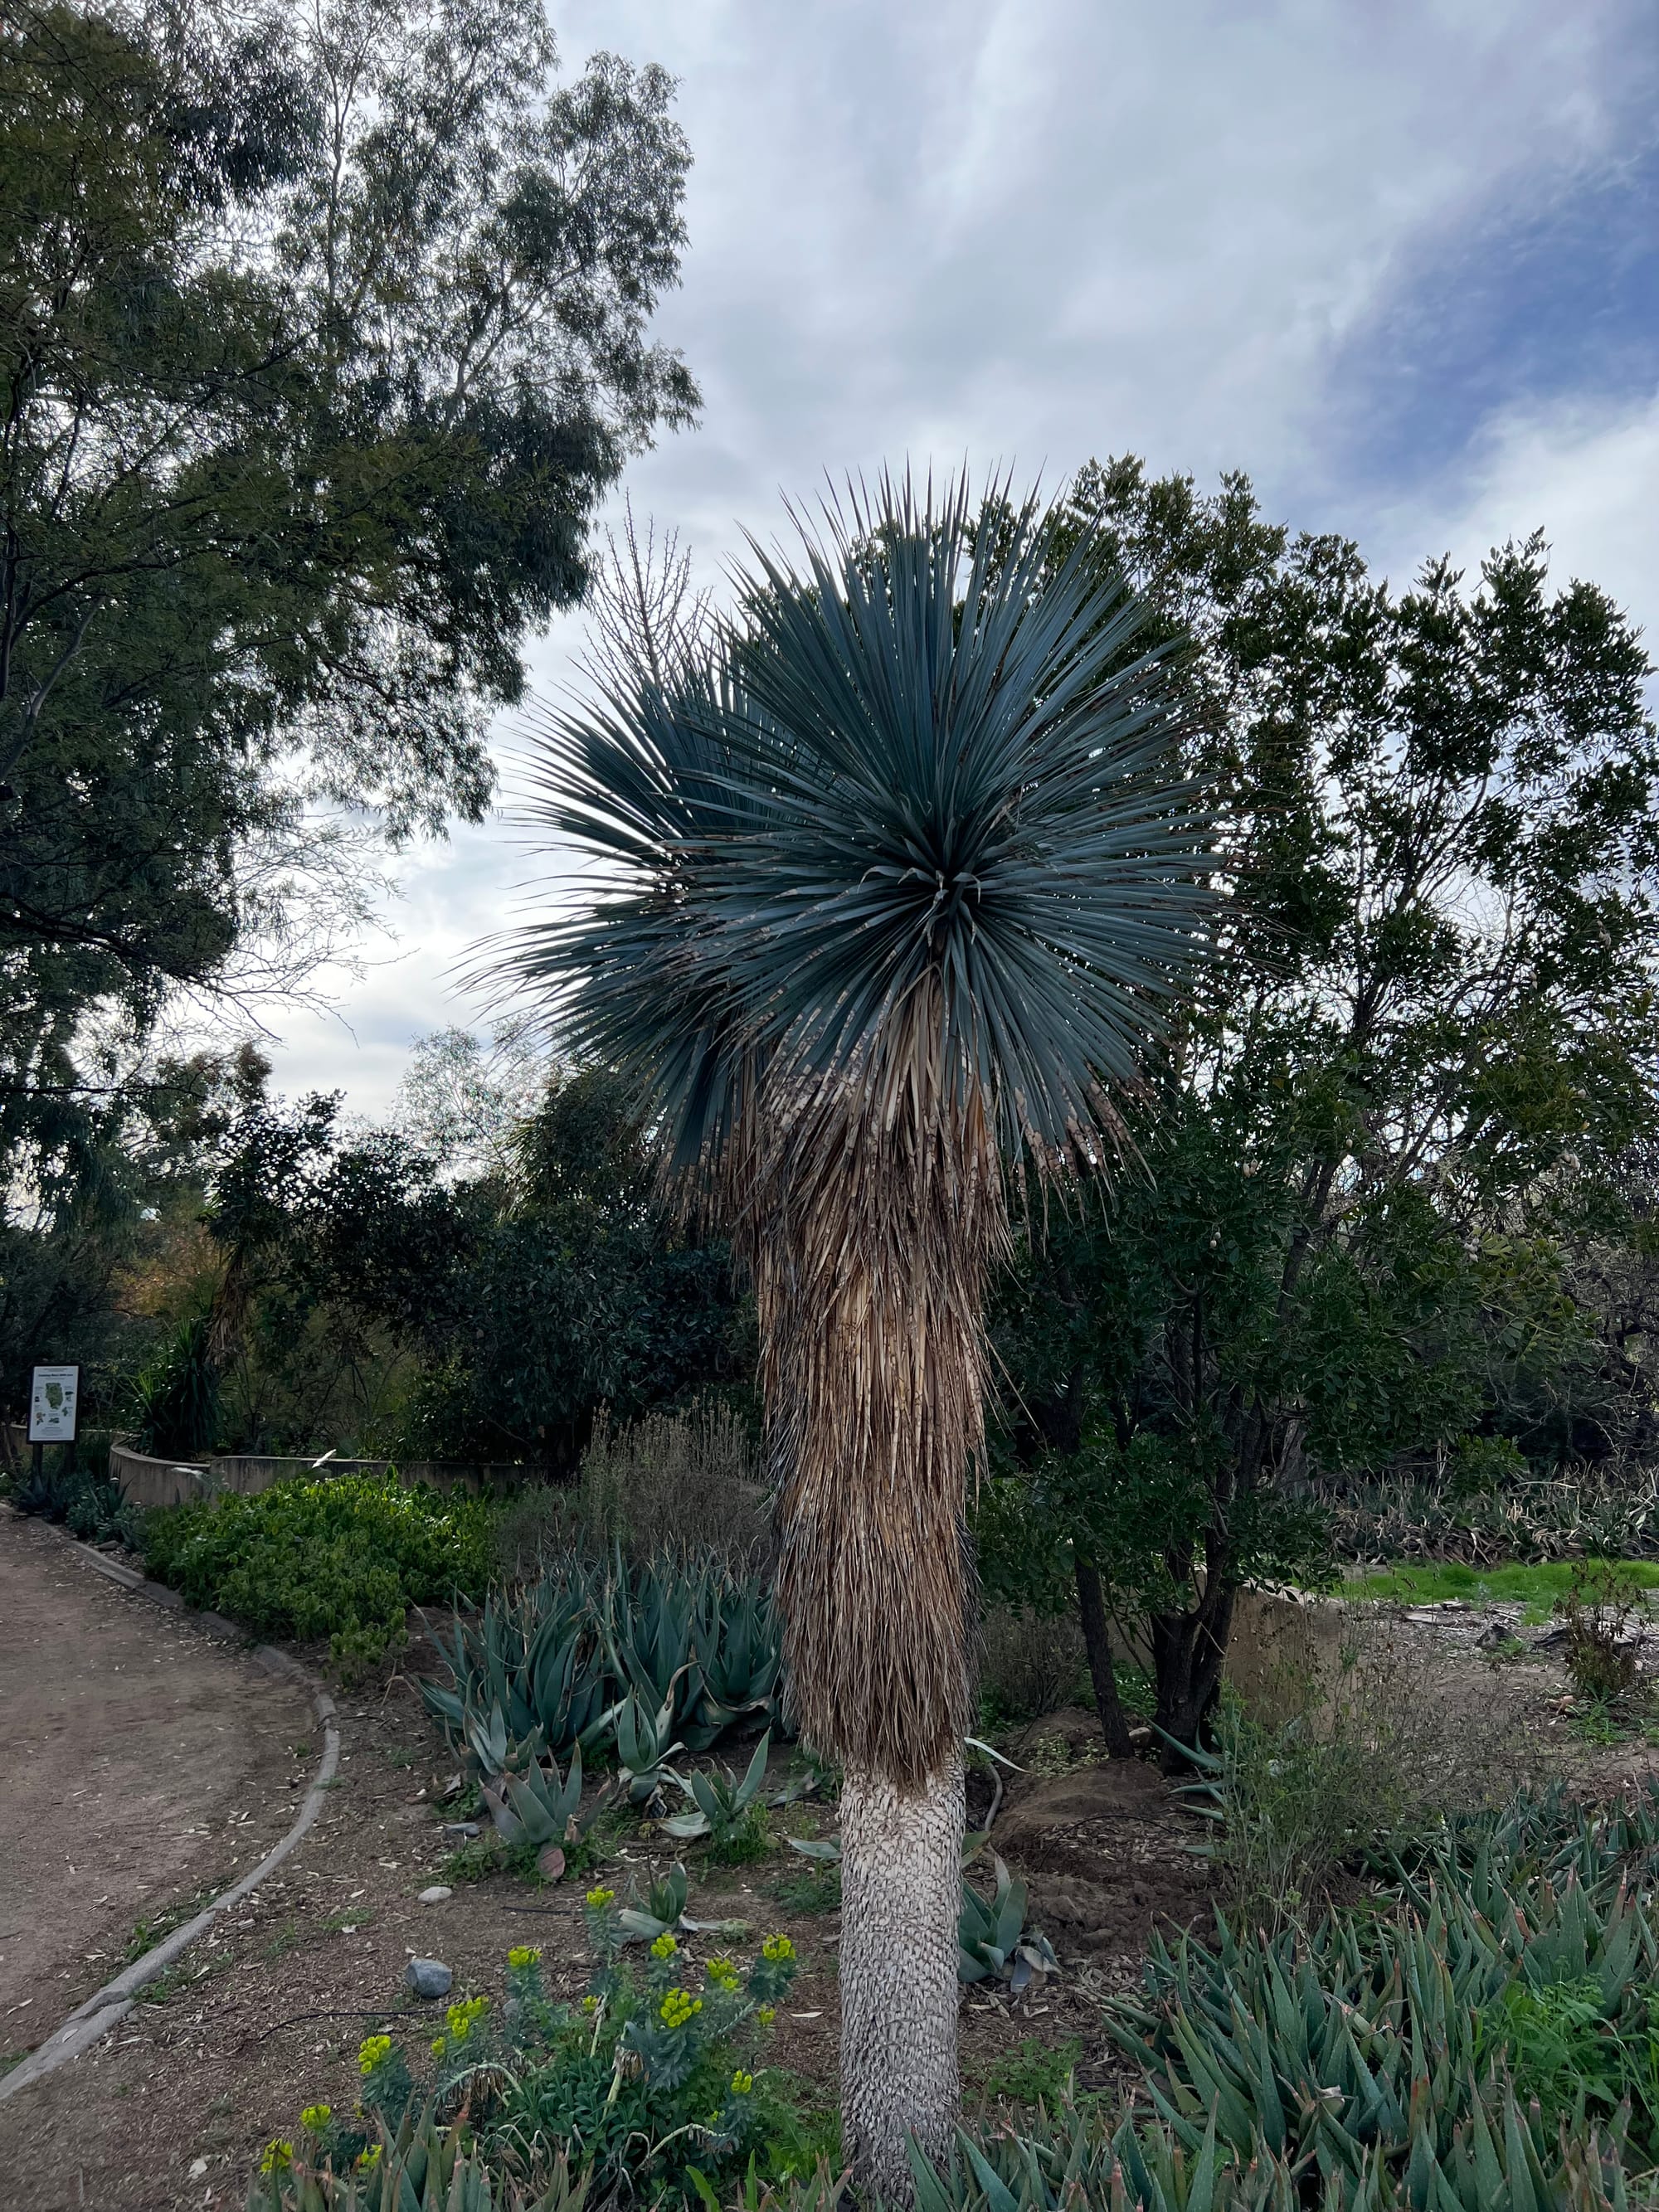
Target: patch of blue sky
x,y
1558,298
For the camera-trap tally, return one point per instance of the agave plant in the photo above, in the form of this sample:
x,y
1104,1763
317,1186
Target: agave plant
x,y
663,1912
491,1751
722,1803
993,1942
897,872
541,1806
739,1658
645,1743
649,1619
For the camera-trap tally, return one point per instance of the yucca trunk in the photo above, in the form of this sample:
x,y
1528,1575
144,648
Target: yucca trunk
x,y
901,1885
877,1227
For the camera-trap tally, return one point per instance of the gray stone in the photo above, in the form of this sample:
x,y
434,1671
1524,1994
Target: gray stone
x,y
428,1977
435,1895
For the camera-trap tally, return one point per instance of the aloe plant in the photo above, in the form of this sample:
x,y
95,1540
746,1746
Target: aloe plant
x,y
423,2165
722,1803
992,1939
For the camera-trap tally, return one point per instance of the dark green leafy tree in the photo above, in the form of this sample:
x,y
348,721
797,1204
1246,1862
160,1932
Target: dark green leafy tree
x,y
321,336
1403,1087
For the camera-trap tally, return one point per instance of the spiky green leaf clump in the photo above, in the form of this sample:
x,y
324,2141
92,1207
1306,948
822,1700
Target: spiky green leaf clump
x,y
926,775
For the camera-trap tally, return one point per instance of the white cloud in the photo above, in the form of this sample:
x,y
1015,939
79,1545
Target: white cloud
x,y
1032,230
1588,475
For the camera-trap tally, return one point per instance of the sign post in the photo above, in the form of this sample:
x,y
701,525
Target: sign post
x,y
54,1402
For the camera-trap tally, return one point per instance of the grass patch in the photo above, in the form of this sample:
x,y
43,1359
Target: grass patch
x,y
147,1934
1537,1587
813,1886
285,1939
1036,2074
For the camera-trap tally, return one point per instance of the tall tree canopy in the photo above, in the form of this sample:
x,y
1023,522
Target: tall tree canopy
x,y
322,332
1408,1083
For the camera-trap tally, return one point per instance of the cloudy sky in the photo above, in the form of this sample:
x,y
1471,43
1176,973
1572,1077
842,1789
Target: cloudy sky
x,y
1399,259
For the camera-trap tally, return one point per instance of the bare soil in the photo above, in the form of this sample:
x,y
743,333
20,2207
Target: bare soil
x,y
142,1763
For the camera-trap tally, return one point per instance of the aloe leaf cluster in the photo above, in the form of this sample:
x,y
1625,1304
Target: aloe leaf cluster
x,y
422,2165
1493,2038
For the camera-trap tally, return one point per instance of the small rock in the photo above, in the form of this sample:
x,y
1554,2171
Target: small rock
x,y
461,1831
436,1894
428,1977
198,2168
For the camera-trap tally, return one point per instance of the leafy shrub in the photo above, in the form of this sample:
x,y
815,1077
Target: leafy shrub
x,y
1030,1663
1596,1613
1378,1760
92,1505
343,1559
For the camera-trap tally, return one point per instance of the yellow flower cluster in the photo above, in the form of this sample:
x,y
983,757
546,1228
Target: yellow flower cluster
x,y
462,2018
276,2157
766,2014
678,2007
371,2051
664,1947
722,1972
742,2083
590,2004
523,1955
368,2158
316,2118
777,1948
598,1899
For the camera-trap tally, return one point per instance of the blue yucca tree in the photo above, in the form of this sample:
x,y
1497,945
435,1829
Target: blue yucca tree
x,y
894,875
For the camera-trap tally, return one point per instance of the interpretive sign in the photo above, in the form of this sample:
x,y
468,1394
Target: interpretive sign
x,y
51,1405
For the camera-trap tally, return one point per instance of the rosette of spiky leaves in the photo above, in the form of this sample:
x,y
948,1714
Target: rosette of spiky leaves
x,y
663,1912
541,1806
723,1802
992,1936
739,1650
896,880
646,1741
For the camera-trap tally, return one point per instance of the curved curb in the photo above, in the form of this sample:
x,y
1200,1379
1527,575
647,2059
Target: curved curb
x,y
102,2011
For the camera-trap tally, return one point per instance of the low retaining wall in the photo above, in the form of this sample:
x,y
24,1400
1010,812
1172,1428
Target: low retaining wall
x,y
149,1482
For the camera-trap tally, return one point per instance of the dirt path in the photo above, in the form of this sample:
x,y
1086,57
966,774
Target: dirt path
x,y
142,1762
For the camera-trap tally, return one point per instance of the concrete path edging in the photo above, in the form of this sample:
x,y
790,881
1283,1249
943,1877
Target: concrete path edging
x,y
101,2012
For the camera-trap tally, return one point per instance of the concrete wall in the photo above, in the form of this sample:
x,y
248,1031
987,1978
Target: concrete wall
x,y
173,1482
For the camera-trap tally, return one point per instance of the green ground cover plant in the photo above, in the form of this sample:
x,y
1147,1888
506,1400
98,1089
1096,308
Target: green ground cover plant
x,y
1539,1585
343,1559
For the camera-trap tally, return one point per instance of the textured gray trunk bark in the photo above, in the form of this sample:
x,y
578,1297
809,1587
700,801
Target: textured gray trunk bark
x,y
901,1878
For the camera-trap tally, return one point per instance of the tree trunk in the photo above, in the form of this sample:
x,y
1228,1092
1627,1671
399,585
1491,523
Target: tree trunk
x,y
1091,1604
900,1874
1189,1652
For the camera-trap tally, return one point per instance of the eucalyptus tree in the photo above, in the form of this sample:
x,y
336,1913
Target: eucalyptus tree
x,y
323,333
892,879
